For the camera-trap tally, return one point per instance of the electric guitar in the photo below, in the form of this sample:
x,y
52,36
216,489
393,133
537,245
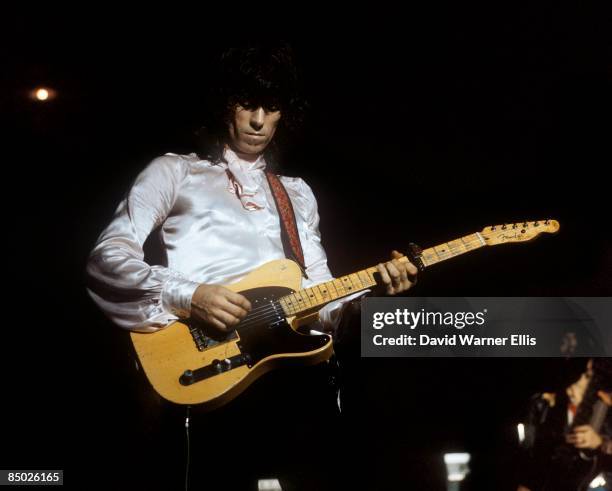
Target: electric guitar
x,y
185,366
571,468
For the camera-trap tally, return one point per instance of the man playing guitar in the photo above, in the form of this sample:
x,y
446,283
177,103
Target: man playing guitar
x,y
218,220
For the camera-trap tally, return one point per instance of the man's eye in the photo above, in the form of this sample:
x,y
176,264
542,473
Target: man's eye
x,y
272,109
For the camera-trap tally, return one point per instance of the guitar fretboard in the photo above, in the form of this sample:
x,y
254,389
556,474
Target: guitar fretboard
x,y
448,250
315,297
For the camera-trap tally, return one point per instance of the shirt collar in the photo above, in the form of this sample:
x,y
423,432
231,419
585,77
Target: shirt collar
x,y
232,158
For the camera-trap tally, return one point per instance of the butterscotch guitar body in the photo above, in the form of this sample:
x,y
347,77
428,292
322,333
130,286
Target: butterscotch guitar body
x,y
186,367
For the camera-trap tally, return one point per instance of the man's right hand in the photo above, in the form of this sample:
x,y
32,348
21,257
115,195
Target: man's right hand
x,y
218,307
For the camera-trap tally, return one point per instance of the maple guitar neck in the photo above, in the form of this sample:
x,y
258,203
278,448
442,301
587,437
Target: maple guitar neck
x,y
313,298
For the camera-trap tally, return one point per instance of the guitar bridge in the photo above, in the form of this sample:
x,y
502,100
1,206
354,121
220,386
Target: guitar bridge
x,y
204,342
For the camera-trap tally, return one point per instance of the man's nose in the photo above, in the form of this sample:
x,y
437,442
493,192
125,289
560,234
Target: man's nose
x,y
257,118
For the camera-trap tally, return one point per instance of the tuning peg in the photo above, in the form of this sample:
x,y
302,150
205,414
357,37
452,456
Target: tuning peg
x,y
546,222
513,225
525,225
504,226
536,224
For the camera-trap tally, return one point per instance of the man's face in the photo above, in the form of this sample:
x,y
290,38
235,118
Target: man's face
x,y
252,129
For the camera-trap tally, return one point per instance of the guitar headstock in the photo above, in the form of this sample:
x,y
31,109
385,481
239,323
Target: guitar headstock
x,y
518,232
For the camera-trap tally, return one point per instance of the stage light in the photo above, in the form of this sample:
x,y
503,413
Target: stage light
x,y
521,432
43,94
457,469
599,483
269,485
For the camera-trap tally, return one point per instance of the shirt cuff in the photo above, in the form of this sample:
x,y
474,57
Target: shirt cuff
x,y
331,315
176,296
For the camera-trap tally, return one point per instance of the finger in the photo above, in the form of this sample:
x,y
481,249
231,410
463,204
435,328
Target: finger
x,y
396,254
386,279
233,309
405,283
394,272
396,276
581,428
239,300
401,267
227,319
217,324
411,269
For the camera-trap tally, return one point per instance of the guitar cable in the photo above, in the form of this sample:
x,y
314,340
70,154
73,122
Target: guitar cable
x,y
188,449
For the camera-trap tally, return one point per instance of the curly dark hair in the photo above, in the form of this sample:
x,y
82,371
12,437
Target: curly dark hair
x,y
252,75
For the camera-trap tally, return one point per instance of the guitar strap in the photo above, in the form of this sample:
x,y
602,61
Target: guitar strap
x,y
289,232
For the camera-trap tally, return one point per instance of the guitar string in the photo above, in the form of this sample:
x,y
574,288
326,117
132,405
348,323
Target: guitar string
x,y
263,313
269,307
270,312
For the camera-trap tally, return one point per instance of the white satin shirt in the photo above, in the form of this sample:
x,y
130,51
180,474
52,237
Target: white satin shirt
x,y
208,237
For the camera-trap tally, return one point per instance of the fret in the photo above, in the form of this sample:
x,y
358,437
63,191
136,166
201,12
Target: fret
x,y
351,279
476,240
311,297
332,288
471,241
296,299
295,302
367,281
339,286
453,248
450,249
304,298
317,295
287,305
363,282
325,293
430,256
459,247
468,246
442,251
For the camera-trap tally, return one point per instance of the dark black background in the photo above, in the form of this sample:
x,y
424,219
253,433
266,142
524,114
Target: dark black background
x,y
424,126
